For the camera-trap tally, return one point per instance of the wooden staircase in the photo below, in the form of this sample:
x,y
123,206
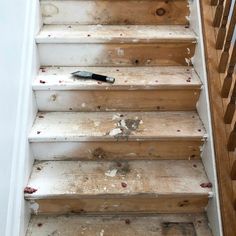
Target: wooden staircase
x,y
123,158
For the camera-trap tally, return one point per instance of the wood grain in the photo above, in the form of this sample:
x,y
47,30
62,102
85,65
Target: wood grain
x,y
108,126
219,128
115,12
140,186
151,225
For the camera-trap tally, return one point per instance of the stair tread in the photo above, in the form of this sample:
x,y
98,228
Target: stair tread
x,y
110,126
57,179
172,77
158,225
114,33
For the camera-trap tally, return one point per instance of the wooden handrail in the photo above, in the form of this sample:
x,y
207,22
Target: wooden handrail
x,y
225,54
223,113
222,30
218,13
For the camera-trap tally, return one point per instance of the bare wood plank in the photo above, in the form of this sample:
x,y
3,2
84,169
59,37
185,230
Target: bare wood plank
x,y
104,178
114,34
171,54
218,13
101,186
131,150
127,78
142,205
135,88
108,126
123,100
152,225
116,12
219,129
222,30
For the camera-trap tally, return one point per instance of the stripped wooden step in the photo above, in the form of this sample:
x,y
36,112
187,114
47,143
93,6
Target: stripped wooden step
x,y
98,135
155,225
135,89
114,45
128,186
109,12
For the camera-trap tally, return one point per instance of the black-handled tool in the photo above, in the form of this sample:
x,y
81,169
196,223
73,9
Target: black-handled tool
x,y
90,75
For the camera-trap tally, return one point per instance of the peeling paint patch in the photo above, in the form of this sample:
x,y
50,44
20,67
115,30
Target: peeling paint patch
x,y
34,206
48,10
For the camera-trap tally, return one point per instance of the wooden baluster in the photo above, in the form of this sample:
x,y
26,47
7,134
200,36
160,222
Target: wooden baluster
x,y
233,171
232,139
229,77
218,13
231,107
225,54
230,110
214,2
222,30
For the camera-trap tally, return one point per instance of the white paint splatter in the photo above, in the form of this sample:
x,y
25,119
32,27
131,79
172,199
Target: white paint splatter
x,y
116,116
120,52
188,61
111,173
102,232
97,123
115,132
34,206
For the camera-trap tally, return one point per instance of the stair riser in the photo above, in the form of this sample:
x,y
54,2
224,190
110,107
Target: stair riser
x,y
160,204
116,54
115,12
117,150
146,100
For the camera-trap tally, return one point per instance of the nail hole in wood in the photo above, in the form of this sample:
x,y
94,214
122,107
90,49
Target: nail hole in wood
x,y
160,11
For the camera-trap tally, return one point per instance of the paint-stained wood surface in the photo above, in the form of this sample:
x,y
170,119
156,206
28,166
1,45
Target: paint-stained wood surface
x,y
115,12
105,126
116,54
144,100
114,34
127,78
135,89
116,46
145,149
125,186
155,225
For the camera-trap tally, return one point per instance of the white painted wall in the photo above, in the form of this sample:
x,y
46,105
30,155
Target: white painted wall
x,y
18,65
203,107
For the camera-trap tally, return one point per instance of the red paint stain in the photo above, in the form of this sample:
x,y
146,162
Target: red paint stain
x,y
124,185
206,185
30,190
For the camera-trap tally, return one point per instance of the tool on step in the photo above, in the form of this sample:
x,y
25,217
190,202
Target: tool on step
x,y
90,75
